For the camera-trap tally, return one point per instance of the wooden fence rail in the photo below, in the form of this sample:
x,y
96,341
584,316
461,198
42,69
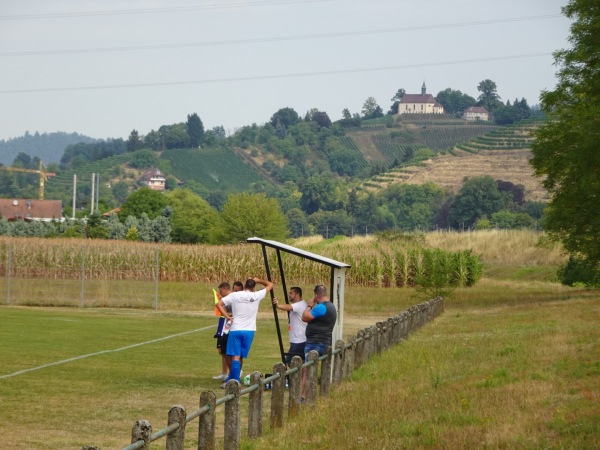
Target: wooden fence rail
x,y
335,366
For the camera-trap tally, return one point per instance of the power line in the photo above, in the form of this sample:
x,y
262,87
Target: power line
x,y
276,39
155,10
270,77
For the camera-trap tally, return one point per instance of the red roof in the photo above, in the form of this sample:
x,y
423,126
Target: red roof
x,y
417,98
12,209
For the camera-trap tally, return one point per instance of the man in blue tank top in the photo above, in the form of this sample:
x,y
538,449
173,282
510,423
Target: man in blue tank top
x,y
320,315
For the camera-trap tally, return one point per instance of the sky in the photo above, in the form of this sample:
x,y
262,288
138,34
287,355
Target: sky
x,y
105,68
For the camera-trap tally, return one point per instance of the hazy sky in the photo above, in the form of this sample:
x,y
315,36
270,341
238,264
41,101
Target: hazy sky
x,y
104,68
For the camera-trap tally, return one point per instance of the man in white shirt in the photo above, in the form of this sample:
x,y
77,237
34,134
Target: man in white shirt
x,y
296,327
244,307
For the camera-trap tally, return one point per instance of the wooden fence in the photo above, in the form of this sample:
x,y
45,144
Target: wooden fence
x,y
335,366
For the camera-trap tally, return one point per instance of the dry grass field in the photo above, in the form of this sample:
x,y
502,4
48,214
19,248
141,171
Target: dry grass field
x,y
449,171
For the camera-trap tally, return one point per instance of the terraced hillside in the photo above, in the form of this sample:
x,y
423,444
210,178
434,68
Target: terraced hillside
x,y
507,138
396,144
503,154
449,171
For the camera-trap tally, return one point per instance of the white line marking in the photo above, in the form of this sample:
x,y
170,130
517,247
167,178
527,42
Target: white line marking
x,y
103,352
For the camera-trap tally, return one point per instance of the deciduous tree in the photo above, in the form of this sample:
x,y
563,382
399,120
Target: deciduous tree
x,y
144,200
285,117
566,151
489,98
370,109
477,198
323,192
192,217
454,101
246,215
396,101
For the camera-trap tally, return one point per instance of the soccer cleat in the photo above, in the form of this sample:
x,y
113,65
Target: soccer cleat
x,y
220,377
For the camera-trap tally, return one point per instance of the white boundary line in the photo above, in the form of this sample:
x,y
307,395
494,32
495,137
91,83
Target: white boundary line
x,y
103,352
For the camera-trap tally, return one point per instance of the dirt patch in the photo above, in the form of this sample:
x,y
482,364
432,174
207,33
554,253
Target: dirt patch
x,y
368,149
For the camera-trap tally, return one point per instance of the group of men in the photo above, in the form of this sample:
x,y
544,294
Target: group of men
x,y
310,323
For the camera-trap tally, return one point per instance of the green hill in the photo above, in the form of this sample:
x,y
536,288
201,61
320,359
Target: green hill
x,y
392,144
49,147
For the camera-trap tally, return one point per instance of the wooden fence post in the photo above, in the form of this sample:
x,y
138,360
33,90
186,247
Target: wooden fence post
x,y
367,349
349,357
311,382
231,439
142,430
359,349
338,362
390,333
367,344
325,379
206,425
176,439
373,340
255,406
295,387
278,396
400,327
396,330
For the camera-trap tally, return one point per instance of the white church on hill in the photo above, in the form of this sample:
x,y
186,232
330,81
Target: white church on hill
x,y
422,103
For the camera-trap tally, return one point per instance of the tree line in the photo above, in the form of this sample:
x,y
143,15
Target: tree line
x,y
316,189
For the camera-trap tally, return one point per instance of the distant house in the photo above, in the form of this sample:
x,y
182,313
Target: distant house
x,y
44,210
112,212
422,103
476,113
154,179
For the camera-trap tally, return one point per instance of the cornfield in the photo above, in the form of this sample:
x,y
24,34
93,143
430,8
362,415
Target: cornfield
x,y
380,263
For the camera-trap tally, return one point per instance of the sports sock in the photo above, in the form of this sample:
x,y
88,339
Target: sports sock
x,y
234,373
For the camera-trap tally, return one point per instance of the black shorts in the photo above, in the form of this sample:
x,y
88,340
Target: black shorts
x,y
222,343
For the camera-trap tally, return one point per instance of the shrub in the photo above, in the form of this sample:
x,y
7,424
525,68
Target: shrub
x,y
579,271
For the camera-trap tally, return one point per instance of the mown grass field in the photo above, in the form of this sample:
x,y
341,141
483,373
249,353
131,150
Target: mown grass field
x,y
512,363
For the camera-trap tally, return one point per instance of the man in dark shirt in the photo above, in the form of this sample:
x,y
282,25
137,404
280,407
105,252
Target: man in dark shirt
x,y
320,315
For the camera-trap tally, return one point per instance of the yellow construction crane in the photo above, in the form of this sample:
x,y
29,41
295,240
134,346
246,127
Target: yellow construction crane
x,y
42,172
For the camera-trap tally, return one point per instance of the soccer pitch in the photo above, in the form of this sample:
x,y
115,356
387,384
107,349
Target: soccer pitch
x,y
74,377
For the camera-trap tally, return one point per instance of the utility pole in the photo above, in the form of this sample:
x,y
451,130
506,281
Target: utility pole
x,y
74,193
93,193
97,190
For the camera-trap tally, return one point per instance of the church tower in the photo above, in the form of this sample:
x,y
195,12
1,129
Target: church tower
x,y
423,89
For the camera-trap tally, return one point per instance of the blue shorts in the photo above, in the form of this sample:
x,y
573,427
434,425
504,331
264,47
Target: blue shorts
x,y
239,343
320,348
